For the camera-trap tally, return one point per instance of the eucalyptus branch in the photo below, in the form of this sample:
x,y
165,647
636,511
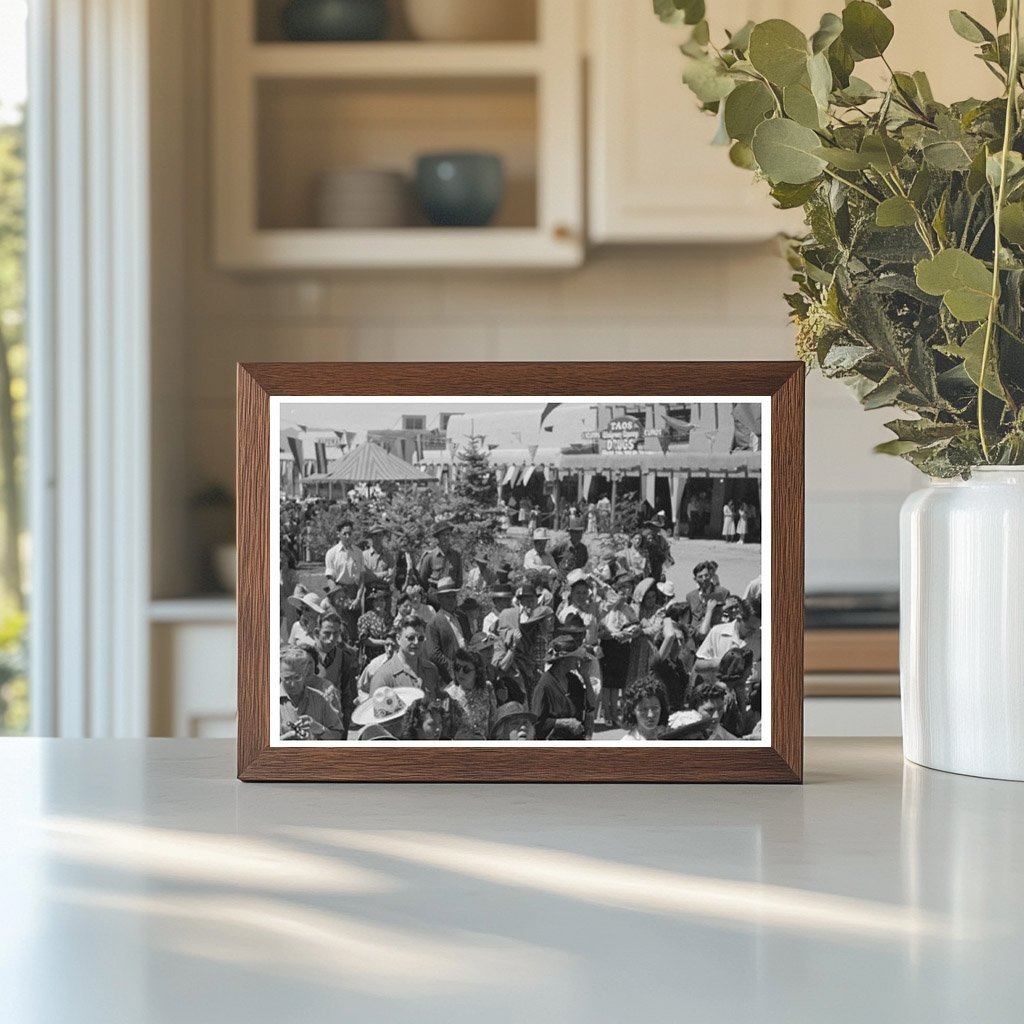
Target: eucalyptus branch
x,y
993,308
855,187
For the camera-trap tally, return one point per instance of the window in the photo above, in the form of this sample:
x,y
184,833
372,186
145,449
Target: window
x,y
14,704
414,422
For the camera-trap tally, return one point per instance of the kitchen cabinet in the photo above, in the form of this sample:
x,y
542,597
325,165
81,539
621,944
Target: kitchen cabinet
x,y
653,175
285,113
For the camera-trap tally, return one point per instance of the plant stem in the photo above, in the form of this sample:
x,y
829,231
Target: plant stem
x,y
850,184
993,309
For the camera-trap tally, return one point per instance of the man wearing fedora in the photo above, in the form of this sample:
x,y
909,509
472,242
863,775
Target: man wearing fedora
x,y
514,722
448,631
408,666
562,701
572,553
305,711
442,560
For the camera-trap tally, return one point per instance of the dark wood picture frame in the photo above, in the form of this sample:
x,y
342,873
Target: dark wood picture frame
x,y
781,761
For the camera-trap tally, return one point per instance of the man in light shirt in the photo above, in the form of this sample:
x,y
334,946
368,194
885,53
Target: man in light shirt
x,y
344,566
740,630
538,559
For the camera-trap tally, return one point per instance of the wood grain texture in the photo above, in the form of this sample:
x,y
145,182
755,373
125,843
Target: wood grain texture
x,y
539,762
852,650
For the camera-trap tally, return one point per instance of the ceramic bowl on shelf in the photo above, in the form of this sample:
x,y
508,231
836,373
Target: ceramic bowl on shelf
x,y
460,189
332,21
471,20
361,198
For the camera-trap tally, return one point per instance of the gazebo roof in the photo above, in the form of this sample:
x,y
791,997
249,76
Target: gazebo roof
x,y
369,463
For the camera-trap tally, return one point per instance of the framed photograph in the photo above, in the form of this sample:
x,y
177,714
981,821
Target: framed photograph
x,y
520,572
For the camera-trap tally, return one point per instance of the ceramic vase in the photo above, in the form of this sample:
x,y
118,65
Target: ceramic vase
x,y
962,624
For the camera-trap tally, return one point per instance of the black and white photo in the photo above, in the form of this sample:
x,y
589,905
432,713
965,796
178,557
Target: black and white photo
x,y
481,571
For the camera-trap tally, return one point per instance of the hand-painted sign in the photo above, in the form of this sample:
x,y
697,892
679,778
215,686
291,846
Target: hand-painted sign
x,y
622,435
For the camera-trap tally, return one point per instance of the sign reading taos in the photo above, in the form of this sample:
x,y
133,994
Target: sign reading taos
x,y
621,435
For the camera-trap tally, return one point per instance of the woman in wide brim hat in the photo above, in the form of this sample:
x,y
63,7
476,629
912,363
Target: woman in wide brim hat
x,y
513,722
561,700
387,706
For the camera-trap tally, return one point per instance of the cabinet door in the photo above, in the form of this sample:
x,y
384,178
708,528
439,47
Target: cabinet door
x,y
654,175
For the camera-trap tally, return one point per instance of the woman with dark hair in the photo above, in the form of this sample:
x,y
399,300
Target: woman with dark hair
x,y
473,692
708,702
374,623
645,712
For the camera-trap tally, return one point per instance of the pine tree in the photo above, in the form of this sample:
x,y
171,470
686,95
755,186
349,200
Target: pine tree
x,y
475,479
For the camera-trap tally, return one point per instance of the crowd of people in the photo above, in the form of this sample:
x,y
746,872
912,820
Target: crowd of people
x,y
556,646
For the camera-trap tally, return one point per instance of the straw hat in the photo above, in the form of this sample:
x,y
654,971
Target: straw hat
x,y
576,576
577,524
308,602
386,704
441,526
541,533
375,732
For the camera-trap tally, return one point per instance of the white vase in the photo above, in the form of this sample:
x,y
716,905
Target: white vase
x,y
962,624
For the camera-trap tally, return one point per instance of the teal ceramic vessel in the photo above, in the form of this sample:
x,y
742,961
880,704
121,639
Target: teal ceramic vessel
x,y
334,21
461,190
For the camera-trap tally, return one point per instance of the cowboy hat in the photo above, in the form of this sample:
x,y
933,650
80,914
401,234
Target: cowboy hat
x,y
564,646
502,589
446,585
577,524
308,602
668,588
441,526
513,710
541,533
385,704
527,590
296,596
541,612
376,530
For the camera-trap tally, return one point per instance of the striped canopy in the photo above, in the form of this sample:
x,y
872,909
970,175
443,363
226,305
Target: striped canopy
x,y
369,463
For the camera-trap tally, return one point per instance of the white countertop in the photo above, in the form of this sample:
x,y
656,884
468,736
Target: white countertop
x,y
143,884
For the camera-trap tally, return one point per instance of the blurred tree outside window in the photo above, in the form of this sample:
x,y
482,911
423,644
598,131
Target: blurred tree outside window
x,y
14,704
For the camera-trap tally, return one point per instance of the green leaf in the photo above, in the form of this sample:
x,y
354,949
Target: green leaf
x,y
976,174
939,220
923,431
971,352
701,33
968,28
742,155
778,50
820,76
883,153
785,152
921,186
679,12
841,60
800,105
739,41
789,197
896,212
1012,224
829,30
707,80
745,108
946,156
844,159
963,281
1014,169
866,29
999,7
885,394
924,88
895,447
